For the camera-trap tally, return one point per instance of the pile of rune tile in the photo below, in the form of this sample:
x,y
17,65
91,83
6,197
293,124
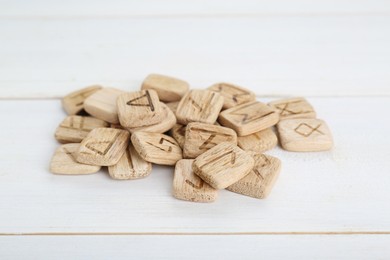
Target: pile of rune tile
x,y
215,138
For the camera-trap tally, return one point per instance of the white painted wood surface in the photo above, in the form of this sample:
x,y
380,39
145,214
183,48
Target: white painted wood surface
x,y
338,201
345,190
197,247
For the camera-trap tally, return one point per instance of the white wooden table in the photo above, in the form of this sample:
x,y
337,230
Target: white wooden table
x,y
328,205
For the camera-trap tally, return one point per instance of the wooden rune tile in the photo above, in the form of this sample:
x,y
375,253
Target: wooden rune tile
x,y
139,109
75,128
200,137
187,186
178,133
258,142
103,146
130,167
157,148
64,162
223,165
293,108
199,106
233,95
168,120
102,104
260,181
173,106
73,103
249,118
168,88
305,135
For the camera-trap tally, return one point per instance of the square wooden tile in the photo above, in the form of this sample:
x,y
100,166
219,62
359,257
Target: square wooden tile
x,y
64,162
178,133
102,104
258,142
157,148
187,186
73,103
168,88
75,128
223,165
233,95
139,109
130,167
199,106
168,120
200,137
103,146
260,181
293,108
305,135
249,118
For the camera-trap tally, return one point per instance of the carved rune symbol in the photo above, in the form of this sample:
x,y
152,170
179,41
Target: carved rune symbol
x,y
162,147
285,109
145,96
231,161
198,187
75,124
230,89
246,118
101,147
69,154
307,130
208,143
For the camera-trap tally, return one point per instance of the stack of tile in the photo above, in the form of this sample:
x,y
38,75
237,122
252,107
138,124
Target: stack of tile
x,y
215,138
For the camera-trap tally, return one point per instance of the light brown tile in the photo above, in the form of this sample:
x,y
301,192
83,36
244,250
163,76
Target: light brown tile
x,y
75,128
168,88
139,109
64,162
102,104
103,146
223,165
73,103
293,108
233,95
258,142
157,148
260,181
167,122
200,137
130,167
178,133
187,186
249,118
199,106
173,106
305,135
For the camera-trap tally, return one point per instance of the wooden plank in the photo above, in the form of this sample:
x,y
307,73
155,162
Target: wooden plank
x,y
196,247
271,55
344,190
74,8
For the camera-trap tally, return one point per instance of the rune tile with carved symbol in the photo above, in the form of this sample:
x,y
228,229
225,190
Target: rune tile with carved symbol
x,y
223,165
233,95
103,146
73,103
260,181
64,162
249,118
293,108
157,148
199,106
139,109
188,186
304,135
